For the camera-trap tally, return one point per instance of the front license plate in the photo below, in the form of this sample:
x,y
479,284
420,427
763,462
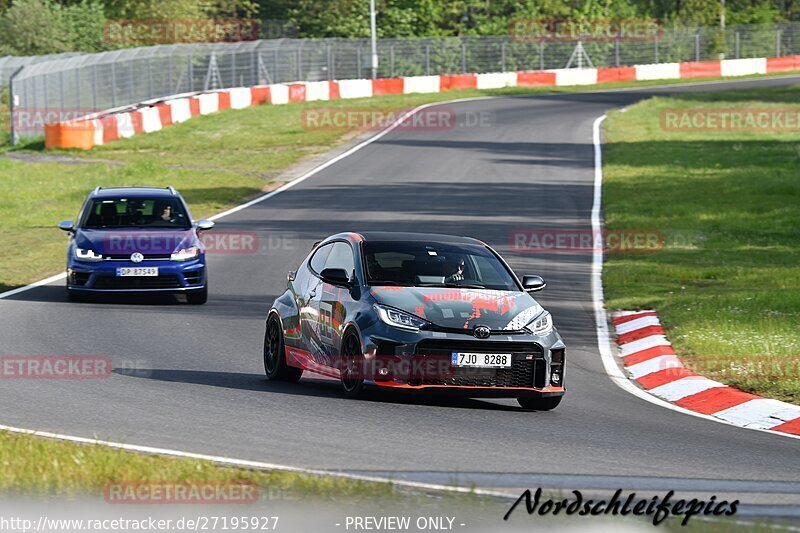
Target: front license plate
x,y
139,272
481,360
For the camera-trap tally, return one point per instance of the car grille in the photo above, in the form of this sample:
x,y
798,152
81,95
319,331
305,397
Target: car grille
x,y
130,283
524,371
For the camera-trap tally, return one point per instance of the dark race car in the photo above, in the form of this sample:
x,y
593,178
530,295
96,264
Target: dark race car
x,y
416,312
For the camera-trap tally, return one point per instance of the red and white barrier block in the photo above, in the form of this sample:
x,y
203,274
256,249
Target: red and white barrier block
x,y
650,360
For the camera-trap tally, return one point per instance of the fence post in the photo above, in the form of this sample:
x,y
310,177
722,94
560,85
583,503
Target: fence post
x,y
616,51
502,56
427,59
655,41
391,61
61,89
541,55
46,93
778,43
191,72
113,85
358,62
328,57
697,46
737,45
149,77
130,84
463,57
233,69
12,104
300,64
77,89
171,74
253,69
94,87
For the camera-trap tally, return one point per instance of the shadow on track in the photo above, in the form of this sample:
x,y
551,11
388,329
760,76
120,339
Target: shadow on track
x,y
310,386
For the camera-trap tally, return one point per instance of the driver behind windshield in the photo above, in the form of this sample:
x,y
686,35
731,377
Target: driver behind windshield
x,y
455,268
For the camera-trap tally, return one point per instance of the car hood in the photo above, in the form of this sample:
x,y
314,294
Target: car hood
x,y
124,242
462,308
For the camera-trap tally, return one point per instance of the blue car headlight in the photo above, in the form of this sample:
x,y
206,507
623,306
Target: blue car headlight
x,y
83,254
541,325
399,319
185,254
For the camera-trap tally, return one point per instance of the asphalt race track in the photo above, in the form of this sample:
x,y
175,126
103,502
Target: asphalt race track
x,y
191,378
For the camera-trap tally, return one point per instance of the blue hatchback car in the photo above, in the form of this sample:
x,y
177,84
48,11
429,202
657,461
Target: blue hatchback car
x,y
136,239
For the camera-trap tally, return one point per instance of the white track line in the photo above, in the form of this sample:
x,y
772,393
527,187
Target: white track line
x,y
604,343
47,281
258,465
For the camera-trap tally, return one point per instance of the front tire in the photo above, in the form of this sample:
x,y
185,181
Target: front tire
x,y
275,366
532,403
352,366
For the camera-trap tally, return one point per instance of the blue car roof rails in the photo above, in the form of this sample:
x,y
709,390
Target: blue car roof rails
x,y
96,190
172,190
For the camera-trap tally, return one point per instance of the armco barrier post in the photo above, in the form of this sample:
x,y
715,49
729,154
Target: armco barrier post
x,y
12,102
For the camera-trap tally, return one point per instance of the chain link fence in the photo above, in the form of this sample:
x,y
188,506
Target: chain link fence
x,y
52,89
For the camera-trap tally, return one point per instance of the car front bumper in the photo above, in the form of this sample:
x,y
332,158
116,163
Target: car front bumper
x,y
102,276
421,361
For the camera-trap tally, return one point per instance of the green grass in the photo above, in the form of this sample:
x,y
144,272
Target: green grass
x,y
39,466
727,283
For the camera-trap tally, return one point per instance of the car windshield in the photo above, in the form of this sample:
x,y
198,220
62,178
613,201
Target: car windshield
x,y
431,264
136,213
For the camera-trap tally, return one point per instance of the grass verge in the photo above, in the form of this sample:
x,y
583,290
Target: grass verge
x,y
727,283
45,467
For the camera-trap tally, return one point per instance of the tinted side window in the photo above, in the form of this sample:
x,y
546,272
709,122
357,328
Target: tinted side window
x,y
317,262
341,256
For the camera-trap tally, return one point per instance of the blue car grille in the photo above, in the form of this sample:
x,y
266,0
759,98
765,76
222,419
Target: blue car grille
x,y
117,283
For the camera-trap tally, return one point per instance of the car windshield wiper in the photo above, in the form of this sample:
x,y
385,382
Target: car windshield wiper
x,y
459,285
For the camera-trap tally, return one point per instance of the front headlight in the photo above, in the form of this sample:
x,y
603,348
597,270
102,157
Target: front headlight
x,y
400,319
541,325
87,255
185,254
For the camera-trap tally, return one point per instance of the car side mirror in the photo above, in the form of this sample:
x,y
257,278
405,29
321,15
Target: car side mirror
x,y
533,283
336,276
204,225
291,275
66,225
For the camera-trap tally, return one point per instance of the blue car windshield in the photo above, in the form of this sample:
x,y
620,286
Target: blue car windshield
x,y
430,264
136,213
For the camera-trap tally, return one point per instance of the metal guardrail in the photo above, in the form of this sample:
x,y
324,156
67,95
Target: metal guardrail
x,y
51,89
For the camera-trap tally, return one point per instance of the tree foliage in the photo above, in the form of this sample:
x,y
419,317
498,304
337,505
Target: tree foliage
x,y
48,26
